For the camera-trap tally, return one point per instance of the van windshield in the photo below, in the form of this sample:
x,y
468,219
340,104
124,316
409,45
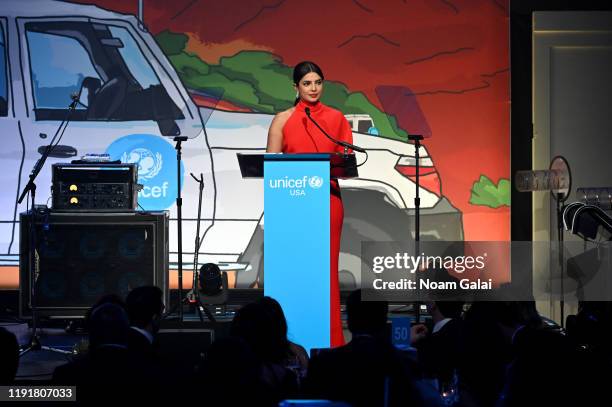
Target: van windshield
x,y
100,63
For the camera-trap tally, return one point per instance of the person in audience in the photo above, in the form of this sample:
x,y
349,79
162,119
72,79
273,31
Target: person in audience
x,y
590,335
440,353
591,328
79,327
108,328
295,356
105,299
530,317
145,307
108,372
369,370
261,330
547,368
9,356
487,353
232,369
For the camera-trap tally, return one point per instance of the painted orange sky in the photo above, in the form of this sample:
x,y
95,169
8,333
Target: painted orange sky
x,y
452,54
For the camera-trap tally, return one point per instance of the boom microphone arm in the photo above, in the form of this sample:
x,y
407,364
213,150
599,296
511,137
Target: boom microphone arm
x,y
333,140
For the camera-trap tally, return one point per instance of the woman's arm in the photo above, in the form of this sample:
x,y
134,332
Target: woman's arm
x,y
275,133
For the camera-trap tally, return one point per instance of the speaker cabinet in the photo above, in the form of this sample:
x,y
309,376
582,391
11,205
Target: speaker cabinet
x,y
83,256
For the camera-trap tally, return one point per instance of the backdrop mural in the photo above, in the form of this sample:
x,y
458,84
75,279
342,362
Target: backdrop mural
x,y
439,68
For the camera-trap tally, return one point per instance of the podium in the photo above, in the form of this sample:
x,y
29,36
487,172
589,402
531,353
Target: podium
x,y
296,236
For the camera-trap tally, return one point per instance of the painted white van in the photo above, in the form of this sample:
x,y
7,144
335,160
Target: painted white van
x,y
132,103
362,123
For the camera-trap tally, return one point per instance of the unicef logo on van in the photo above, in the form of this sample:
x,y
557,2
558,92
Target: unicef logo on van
x,y
149,164
156,160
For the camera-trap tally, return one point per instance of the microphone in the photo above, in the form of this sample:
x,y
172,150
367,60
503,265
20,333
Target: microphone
x,y
76,100
333,140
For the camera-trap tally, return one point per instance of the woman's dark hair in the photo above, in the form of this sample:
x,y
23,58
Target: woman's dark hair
x,y
9,354
263,326
143,304
303,68
277,316
366,317
105,299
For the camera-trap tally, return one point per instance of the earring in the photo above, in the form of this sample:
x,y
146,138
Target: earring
x,y
297,94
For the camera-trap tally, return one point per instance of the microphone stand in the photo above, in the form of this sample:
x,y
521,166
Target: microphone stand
x,y
561,255
34,259
417,213
194,295
179,213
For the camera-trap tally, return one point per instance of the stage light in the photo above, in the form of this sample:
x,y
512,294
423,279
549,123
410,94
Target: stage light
x,y
212,290
210,280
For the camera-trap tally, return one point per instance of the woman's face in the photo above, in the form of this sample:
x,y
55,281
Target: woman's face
x,y
310,87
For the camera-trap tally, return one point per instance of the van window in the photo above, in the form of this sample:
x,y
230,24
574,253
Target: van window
x,y
103,65
135,61
364,126
3,75
54,79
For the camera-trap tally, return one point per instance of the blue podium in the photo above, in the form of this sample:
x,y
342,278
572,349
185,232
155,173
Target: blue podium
x,y
297,236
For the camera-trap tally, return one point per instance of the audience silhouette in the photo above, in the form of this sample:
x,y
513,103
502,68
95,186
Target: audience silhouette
x,y
369,370
108,372
9,356
145,307
496,353
441,353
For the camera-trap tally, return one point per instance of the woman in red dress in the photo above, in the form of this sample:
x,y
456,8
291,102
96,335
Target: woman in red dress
x,y
292,132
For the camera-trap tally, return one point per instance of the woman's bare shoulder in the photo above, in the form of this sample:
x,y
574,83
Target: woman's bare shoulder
x,y
281,117
275,132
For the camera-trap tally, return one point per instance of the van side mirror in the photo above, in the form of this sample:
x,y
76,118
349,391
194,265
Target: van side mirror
x,y
168,128
163,111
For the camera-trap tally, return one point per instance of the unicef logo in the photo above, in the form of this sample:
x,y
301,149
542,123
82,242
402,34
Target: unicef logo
x,y
150,153
315,182
149,164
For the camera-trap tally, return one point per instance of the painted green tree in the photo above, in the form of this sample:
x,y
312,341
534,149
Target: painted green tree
x,y
260,81
486,193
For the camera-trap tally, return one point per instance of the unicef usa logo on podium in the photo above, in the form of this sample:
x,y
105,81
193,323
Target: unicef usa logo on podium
x,y
315,182
156,160
297,186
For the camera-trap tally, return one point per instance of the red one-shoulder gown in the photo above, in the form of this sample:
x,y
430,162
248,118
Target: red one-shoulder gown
x,y
300,135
